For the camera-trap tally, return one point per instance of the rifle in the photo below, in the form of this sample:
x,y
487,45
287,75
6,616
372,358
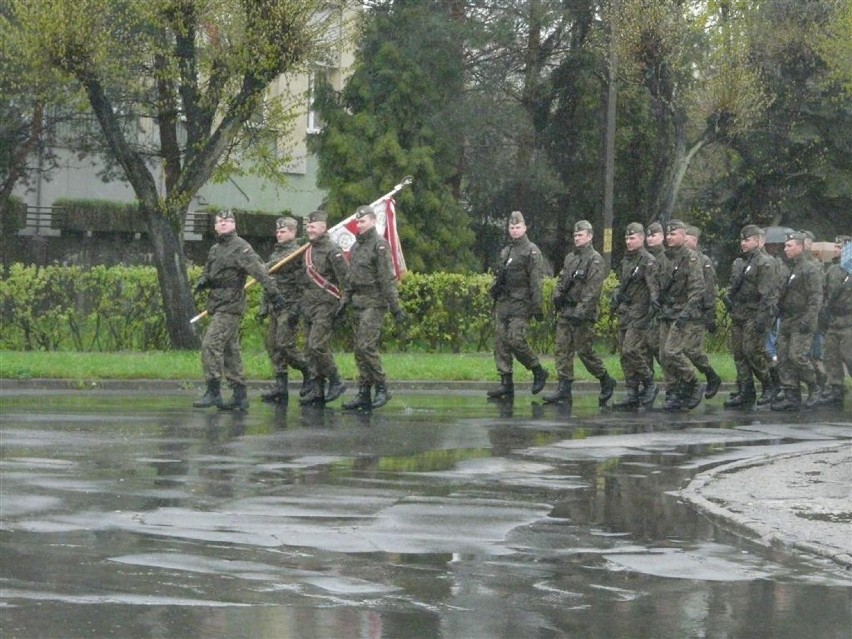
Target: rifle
x,y
561,301
726,298
499,284
620,296
251,281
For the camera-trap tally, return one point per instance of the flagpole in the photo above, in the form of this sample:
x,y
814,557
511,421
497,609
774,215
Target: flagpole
x,y
272,269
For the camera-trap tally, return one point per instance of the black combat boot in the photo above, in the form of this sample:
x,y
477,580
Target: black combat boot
x,y
316,395
562,394
713,383
278,393
307,382
792,400
768,391
382,395
505,389
672,402
745,398
362,399
776,380
649,393
832,396
608,384
691,394
212,397
631,400
539,379
813,395
239,401
335,388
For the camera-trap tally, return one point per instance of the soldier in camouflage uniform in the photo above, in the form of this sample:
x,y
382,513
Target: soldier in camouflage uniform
x,y
371,290
638,285
698,357
655,242
751,301
325,271
798,306
281,334
576,300
836,321
230,261
681,312
817,345
517,299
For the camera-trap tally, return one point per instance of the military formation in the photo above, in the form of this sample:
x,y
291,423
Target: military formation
x,y
790,322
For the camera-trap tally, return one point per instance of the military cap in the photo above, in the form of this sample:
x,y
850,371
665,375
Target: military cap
x,y
317,216
583,225
843,239
634,228
363,211
225,214
654,227
675,225
808,235
516,217
286,223
795,235
693,230
750,230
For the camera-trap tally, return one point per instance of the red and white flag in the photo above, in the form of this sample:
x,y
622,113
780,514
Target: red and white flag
x,y
345,232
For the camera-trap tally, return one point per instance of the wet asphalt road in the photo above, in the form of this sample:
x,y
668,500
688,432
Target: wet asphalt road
x,y
129,514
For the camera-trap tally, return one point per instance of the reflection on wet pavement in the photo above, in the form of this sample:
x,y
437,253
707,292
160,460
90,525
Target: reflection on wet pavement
x,y
441,516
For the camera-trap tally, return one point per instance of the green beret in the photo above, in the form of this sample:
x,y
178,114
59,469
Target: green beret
x,y
654,227
317,216
583,225
516,217
363,211
225,214
675,225
692,230
634,228
750,230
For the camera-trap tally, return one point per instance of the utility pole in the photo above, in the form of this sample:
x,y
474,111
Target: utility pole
x,y
609,136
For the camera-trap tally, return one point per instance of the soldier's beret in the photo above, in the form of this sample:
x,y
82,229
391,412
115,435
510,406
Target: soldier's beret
x,y
583,225
634,228
516,217
286,223
317,216
693,230
675,225
796,235
363,211
225,214
842,239
654,227
750,230
808,235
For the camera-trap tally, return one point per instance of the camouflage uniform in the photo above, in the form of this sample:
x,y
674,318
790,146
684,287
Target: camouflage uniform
x,y
751,301
517,299
681,319
652,333
576,299
371,289
798,305
836,320
632,303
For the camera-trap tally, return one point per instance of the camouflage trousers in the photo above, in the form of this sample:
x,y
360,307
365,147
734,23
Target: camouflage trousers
x,y
220,349
367,335
748,347
510,341
652,335
320,325
675,343
576,339
281,342
838,351
635,353
794,363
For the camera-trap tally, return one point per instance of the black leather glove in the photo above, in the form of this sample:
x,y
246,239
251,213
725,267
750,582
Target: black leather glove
x,y
278,302
399,316
201,284
711,327
680,322
804,328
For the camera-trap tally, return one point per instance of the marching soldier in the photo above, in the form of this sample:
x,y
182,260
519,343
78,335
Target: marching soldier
x,y
654,240
836,322
681,312
281,334
230,261
798,306
517,299
371,289
751,301
816,354
632,302
576,300
325,270
698,357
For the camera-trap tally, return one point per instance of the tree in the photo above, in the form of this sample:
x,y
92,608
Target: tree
x,y
191,74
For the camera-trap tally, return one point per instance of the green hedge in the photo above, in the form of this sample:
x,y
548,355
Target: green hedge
x,y
120,308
